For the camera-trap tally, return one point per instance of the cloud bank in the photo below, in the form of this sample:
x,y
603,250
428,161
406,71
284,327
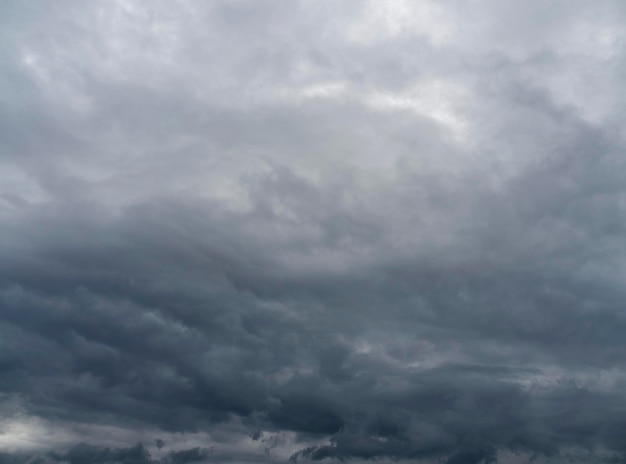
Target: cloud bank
x,y
243,231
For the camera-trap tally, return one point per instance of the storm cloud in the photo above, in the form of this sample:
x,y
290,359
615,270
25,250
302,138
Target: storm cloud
x,y
330,230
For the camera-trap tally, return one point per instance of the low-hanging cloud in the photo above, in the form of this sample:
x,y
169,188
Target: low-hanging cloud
x,y
325,231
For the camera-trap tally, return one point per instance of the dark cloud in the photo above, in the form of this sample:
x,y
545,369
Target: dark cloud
x,y
84,453
319,231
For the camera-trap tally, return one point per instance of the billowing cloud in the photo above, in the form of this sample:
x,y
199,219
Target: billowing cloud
x,y
312,230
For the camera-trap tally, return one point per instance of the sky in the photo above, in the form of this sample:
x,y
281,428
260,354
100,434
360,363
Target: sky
x,y
244,231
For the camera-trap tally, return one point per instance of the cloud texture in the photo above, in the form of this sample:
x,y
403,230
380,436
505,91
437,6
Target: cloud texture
x,y
312,230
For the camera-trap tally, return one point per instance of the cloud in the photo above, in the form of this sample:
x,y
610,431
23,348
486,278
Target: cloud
x,y
318,230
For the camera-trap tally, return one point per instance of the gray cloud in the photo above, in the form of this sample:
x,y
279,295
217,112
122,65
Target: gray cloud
x,y
311,231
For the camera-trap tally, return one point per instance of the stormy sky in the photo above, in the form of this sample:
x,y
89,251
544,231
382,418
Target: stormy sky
x,y
249,231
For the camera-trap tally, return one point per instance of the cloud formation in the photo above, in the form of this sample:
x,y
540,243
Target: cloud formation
x,y
312,230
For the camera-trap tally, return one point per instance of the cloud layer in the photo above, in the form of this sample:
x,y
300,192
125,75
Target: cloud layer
x,y
317,230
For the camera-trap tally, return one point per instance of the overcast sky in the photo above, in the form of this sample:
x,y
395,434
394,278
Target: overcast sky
x,y
322,230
